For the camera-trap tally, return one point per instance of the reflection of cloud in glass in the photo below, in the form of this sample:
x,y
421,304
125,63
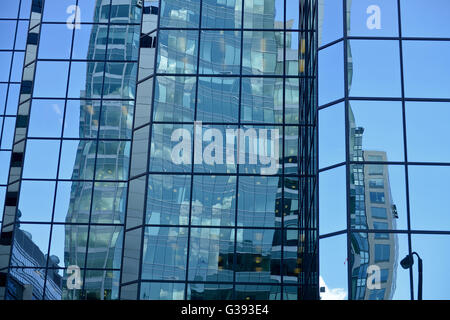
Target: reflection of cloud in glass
x,y
331,294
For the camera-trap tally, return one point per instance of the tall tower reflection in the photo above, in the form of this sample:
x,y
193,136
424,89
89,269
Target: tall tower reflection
x,y
102,203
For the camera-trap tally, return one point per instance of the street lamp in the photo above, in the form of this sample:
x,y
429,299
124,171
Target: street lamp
x,y
407,263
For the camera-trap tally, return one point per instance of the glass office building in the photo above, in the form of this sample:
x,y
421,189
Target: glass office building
x,y
95,206
383,150
350,97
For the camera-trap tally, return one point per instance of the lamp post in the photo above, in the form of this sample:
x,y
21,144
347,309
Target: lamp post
x,y
407,263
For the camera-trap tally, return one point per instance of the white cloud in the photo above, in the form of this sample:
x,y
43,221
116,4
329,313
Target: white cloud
x,y
332,294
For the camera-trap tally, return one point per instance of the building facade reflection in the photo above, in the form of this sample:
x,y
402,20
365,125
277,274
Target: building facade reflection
x,y
136,224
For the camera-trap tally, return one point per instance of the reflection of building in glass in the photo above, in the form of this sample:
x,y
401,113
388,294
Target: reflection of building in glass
x,y
372,208
28,283
141,227
219,260
108,158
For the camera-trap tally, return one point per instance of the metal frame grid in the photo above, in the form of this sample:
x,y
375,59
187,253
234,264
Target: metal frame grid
x,y
307,171
7,121
97,139
346,99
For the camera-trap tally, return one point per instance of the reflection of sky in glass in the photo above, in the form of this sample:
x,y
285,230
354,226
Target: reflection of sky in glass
x,y
375,72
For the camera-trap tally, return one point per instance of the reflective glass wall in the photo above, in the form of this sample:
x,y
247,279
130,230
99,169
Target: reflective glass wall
x,y
97,208
383,101
66,201
14,21
221,229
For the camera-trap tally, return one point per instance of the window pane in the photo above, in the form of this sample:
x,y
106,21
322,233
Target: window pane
x,y
258,202
221,14
73,202
8,132
116,120
263,51
295,52
182,14
371,204
258,259
214,201
68,243
55,41
56,10
8,30
77,159
125,12
123,42
17,68
331,73
164,257
161,158
177,51
220,52
292,89
82,118
174,99
427,131
429,78
292,14
113,159
375,270
41,159
376,125
105,247
46,118
92,11
333,269
218,99
75,244
51,79
21,36
31,278
102,285
332,135
373,18
30,248
162,291
211,254
433,249
10,10
5,158
432,14
262,100
331,17
428,190
36,201
261,149
263,14
120,80
332,195
217,149
168,199
5,66
13,98
89,42
375,68
109,202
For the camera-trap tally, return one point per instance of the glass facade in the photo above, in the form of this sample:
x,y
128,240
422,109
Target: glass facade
x,y
14,21
219,229
207,149
381,70
96,206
